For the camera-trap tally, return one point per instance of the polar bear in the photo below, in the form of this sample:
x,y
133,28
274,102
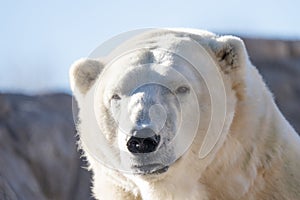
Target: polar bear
x,y
144,103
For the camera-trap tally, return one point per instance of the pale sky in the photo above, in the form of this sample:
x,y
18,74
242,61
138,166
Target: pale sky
x,y
41,39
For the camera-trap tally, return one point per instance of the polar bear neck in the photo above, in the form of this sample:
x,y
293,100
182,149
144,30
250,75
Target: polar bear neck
x,y
256,139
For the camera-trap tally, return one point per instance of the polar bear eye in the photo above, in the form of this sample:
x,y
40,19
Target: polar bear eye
x,y
115,97
182,90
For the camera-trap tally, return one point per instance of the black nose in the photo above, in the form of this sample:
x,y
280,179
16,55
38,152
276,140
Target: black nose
x,y
143,145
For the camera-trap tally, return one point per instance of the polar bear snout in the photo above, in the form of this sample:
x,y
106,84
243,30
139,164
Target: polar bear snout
x,y
141,144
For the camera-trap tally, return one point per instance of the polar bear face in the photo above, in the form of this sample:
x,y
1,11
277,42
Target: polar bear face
x,y
151,103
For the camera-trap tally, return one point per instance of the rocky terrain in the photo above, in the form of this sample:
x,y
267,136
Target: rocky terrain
x,y
38,156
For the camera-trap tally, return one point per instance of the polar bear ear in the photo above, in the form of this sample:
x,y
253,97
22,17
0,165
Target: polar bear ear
x,y
231,53
83,74
232,58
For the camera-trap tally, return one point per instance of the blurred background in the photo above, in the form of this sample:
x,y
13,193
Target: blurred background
x,y
39,40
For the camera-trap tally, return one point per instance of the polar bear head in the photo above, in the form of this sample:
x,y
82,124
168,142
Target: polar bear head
x,y
151,101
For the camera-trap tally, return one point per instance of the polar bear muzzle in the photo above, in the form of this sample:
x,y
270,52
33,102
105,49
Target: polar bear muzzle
x,y
143,145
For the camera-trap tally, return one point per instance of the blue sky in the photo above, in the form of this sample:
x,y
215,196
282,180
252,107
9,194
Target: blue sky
x,y
41,39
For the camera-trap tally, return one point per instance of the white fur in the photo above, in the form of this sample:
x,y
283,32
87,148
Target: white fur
x,y
257,156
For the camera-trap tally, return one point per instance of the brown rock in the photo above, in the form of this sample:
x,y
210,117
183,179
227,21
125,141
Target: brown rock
x,y
38,156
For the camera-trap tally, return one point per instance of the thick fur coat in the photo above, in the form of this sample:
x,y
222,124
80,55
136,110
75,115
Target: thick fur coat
x,y
257,155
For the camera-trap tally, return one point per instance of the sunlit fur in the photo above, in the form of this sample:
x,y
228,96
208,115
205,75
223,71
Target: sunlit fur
x,y
257,157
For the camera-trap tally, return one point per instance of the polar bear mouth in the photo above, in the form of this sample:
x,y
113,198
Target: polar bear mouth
x,y
151,169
